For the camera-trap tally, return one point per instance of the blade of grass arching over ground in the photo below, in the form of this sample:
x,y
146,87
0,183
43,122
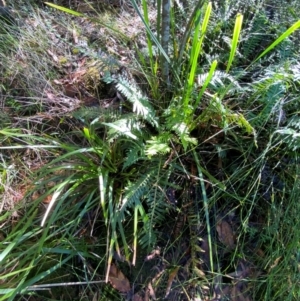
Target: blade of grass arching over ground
x,y
196,48
287,33
22,288
235,39
64,9
152,60
78,14
55,196
197,35
19,238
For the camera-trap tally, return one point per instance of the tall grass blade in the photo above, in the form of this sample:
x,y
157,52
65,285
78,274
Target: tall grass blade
x,y
188,30
148,29
197,45
280,39
235,39
55,196
103,176
64,9
158,17
135,229
149,40
207,81
23,288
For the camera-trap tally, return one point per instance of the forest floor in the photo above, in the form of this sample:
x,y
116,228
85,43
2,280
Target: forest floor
x,y
53,85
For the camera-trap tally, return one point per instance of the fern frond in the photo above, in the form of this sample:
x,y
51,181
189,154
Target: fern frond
x,y
157,208
255,38
141,104
220,80
134,153
291,138
158,145
126,126
241,121
295,123
88,114
290,135
269,91
134,192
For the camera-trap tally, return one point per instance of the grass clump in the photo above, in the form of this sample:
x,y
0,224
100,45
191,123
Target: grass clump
x,y
161,166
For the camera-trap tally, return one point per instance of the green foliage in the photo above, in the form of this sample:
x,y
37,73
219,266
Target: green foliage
x,y
141,105
223,134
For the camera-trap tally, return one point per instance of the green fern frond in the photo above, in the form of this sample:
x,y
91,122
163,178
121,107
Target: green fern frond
x,y
241,121
134,192
295,123
157,203
147,236
88,114
134,153
126,126
255,38
269,91
290,137
183,132
158,145
220,81
177,121
157,208
140,103
222,116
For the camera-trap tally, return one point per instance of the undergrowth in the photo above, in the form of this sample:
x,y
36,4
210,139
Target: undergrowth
x,y
136,169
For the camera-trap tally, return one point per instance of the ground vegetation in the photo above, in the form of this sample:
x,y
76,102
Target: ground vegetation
x,y
150,151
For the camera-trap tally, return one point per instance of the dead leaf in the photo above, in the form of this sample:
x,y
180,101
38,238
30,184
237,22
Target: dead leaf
x,y
199,273
47,199
275,264
75,36
53,55
117,280
70,90
172,275
153,254
225,234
